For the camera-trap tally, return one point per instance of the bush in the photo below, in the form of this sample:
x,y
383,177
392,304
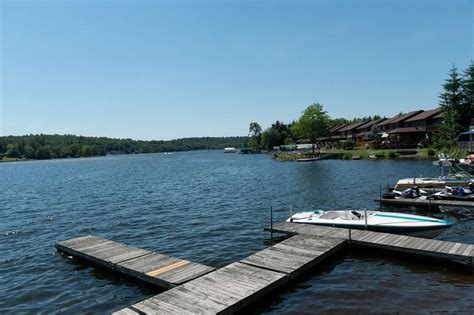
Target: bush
x,y
392,155
431,152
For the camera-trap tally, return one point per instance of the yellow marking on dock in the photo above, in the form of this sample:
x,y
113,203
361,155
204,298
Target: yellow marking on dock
x,y
178,264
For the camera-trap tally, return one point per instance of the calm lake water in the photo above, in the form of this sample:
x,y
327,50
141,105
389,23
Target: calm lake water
x,y
208,207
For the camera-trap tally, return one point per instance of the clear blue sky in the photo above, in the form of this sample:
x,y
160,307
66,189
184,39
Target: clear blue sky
x,y
170,69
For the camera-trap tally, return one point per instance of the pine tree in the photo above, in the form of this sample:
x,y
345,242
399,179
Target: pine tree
x,y
467,113
451,102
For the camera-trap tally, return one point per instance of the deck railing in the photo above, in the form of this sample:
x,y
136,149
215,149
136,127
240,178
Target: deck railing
x,y
466,146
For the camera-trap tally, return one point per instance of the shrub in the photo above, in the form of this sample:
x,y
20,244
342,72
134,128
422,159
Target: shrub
x,y
392,155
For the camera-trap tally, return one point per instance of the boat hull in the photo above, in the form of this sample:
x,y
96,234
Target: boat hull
x,y
425,232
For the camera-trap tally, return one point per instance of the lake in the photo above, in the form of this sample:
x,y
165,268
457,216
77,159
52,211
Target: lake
x,y
211,208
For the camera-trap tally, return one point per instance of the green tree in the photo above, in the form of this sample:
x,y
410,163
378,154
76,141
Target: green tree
x,y
467,113
86,150
43,153
12,151
29,152
451,102
255,135
314,123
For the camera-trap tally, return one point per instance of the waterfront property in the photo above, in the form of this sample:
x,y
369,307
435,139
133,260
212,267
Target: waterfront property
x,y
403,131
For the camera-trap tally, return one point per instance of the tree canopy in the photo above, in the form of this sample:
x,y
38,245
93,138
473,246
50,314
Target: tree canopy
x,y
314,123
63,146
451,102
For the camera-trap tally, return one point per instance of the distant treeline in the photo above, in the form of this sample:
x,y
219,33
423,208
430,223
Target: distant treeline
x,y
63,146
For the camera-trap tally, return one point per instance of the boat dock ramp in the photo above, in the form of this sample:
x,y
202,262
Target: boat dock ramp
x,y
195,288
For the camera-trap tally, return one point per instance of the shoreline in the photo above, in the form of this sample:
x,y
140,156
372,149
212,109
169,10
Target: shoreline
x,y
363,154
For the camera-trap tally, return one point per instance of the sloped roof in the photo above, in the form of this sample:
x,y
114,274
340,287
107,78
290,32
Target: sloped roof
x,y
336,128
407,130
425,115
399,118
370,123
352,126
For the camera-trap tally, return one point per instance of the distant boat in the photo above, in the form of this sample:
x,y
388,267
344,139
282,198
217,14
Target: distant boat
x,y
230,150
310,159
377,221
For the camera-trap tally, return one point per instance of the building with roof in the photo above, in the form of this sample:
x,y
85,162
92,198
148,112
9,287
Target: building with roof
x,y
364,130
397,121
349,132
416,130
466,139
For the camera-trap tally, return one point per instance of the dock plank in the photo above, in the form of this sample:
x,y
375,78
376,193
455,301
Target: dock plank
x,y
394,242
223,291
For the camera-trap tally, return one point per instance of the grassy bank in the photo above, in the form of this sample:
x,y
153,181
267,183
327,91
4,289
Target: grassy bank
x,y
375,154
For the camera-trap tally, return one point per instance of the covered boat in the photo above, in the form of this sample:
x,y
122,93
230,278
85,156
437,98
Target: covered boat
x,y
377,221
230,150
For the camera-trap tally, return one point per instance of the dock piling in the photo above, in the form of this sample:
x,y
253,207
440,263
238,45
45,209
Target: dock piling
x,y
271,225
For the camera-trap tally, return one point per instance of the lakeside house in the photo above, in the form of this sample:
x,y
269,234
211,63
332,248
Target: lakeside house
x,y
365,130
466,139
403,131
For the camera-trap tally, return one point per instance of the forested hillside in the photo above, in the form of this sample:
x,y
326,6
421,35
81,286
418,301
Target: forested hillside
x,y
63,146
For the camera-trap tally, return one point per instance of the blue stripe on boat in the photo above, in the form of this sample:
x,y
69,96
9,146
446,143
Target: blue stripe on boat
x,y
410,218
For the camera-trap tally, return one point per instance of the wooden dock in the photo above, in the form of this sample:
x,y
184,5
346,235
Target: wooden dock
x,y
160,270
231,288
424,203
198,289
394,242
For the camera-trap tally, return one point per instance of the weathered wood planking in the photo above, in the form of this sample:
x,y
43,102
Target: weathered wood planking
x,y
161,270
400,243
426,203
235,286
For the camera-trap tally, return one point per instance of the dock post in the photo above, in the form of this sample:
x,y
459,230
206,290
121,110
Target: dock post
x,y
365,217
380,193
429,205
271,225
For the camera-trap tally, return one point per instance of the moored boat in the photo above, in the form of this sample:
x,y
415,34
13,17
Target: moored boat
x,y
456,176
230,150
377,221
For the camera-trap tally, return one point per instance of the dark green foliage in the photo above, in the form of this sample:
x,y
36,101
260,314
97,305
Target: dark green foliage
x,y
314,123
451,102
64,146
255,135
279,133
12,150
467,111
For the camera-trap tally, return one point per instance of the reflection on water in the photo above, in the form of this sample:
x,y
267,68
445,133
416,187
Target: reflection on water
x,y
209,207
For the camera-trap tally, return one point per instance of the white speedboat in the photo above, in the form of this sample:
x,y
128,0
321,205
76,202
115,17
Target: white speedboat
x,y
377,221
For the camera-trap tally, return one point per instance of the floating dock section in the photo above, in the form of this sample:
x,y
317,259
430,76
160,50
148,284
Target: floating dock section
x,y
231,288
160,270
426,203
400,243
